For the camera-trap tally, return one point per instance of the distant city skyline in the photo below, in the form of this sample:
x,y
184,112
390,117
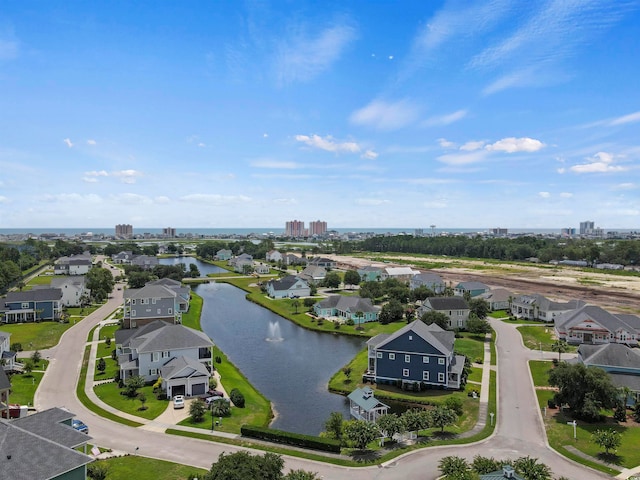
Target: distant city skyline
x,y
364,114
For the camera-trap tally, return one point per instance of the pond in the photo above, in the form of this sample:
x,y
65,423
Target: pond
x,y
204,268
288,364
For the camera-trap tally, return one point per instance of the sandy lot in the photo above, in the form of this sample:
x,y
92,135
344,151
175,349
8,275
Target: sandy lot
x,y
614,292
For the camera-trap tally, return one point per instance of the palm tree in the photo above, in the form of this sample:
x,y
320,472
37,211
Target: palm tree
x,y
359,316
561,347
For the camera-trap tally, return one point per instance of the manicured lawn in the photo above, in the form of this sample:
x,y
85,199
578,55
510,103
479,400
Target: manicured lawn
x,y
39,280
110,394
475,375
36,335
540,372
82,311
23,387
42,364
143,468
470,345
533,336
191,318
110,371
257,410
499,314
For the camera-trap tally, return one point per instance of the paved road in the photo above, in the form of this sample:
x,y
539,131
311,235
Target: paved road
x,y
519,425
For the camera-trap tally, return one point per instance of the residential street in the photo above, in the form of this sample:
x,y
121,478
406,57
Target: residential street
x,y
519,429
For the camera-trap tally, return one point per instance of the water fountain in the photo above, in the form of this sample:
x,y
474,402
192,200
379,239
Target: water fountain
x,y
274,332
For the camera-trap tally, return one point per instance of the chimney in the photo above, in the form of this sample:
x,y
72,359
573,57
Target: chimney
x,y
508,471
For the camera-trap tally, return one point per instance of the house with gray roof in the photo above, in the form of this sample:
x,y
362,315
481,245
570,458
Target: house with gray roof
x,y
223,254
472,288
358,309
539,307
74,290
363,405
122,258
418,356
456,308
323,262
273,256
154,301
7,357
73,265
313,274
31,305
371,273
619,361
292,259
427,279
594,325
288,287
43,446
178,354
497,298
145,262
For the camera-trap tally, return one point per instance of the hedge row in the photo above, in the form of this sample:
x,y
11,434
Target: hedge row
x,y
289,438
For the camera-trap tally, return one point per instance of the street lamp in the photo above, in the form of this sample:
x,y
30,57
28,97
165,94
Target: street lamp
x,y
574,423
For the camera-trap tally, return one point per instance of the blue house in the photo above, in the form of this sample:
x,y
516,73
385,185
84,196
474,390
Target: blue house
x,y
347,308
418,356
32,305
473,288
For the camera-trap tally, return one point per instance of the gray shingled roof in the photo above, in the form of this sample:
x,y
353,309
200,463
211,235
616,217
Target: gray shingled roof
x,y
4,380
39,295
472,286
622,380
440,339
448,303
26,455
343,303
150,291
59,282
599,315
160,336
610,355
431,278
496,295
47,424
177,364
547,305
285,283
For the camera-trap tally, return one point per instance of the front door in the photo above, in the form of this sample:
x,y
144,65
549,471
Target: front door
x,y
587,338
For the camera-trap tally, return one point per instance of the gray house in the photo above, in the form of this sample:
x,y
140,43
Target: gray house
x,y
7,357
43,446
178,354
313,274
497,298
74,290
347,308
591,324
539,307
73,265
145,262
417,356
288,287
430,280
152,302
455,308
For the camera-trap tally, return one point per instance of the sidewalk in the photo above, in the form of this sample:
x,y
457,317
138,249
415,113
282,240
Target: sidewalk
x,y
484,392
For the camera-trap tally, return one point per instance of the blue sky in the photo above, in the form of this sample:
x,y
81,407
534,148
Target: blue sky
x,y
360,113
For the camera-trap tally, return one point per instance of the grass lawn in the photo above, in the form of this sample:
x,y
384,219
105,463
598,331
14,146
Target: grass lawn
x,y
470,345
110,371
36,335
110,394
191,318
533,336
39,280
499,314
82,311
23,387
257,410
475,375
540,372
142,468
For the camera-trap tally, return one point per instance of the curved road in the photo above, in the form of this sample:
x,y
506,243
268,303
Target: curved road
x,y
519,429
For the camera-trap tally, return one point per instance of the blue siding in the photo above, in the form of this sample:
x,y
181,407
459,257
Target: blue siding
x,y
416,344
394,368
47,307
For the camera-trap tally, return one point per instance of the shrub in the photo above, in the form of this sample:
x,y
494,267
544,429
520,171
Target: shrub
x,y
16,347
237,398
289,438
213,382
455,404
218,359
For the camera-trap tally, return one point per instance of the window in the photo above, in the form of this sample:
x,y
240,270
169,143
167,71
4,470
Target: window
x,y
425,359
165,354
425,375
25,305
155,356
441,377
170,311
392,356
133,301
153,371
407,359
441,361
379,354
159,311
153,300
461,323
133,313
405,372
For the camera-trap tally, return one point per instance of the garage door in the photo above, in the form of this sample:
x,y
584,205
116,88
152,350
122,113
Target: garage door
x,y
177,390
198,389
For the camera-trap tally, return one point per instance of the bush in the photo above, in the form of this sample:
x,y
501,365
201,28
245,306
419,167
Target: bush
x,y
16,347
218,359
237,398
288,438
213,383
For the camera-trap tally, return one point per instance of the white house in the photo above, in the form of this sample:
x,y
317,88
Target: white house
x,y
74,290
274,256
288,287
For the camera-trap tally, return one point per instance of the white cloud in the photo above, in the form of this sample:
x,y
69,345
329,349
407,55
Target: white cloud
x,y
369,155
435,204
285,201
444,143
601,162
371,201
561,170
3,199
162,200
131,199
92,142
127,176
201,145
302,58
74,198
443,120
566,195
215,199
265,135
90,179
68,142
274,164
463,158
544,194
625,186
386,116
632,117
471,146
512,145
328,143
96,173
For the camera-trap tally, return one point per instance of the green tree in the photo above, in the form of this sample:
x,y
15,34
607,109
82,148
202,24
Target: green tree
x,y
561,347
442,416
416,419
193,270
132,385
237,398
479,307
332,280
531,469
100,282
301,475
36,357
220,408
585,389
197,410
392,311
438,318
102,365
478,326
347,372
333,426
484,465
390,425
295,304
453,466
351,277
97,470
143,400
455,404
608,439
28,367
243,465
361,433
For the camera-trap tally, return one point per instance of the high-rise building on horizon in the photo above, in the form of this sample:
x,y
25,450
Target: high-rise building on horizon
x,y
124,230
169,232
587,227
294,228
317,228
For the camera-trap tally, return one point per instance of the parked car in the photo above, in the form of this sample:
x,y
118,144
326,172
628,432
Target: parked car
x,y
178,401
209,400
79,425
215,393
